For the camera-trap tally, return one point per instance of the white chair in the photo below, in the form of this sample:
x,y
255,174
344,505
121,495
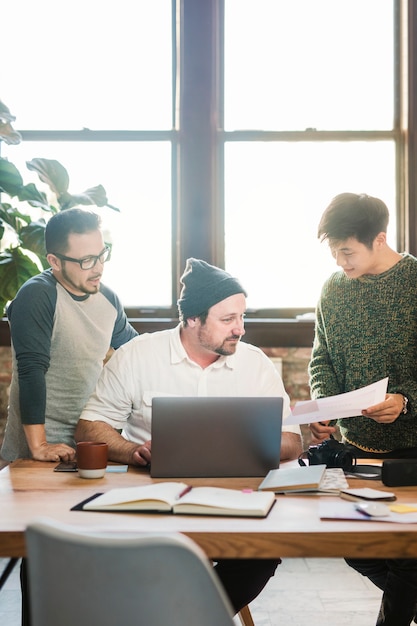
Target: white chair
x,y
82,579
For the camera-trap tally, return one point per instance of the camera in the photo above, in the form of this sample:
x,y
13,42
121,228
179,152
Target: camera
x,y
332,453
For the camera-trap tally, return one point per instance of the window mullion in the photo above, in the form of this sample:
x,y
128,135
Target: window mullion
x,y
197,167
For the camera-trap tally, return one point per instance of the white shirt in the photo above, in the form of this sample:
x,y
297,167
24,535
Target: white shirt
x,y
156,364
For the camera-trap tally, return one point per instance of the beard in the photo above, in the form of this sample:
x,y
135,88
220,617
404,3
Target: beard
x,y
224,349
84,288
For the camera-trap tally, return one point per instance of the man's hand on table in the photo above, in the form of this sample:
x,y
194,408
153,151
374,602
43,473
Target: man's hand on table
x,y
53,452
142,455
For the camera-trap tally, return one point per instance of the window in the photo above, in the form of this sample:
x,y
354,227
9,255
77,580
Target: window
x,y
221,128
308,113
91,86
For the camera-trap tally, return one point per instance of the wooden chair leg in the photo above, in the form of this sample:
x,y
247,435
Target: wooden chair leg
x,y
246,617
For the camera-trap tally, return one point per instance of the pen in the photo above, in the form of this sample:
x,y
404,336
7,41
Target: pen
x,y
184,491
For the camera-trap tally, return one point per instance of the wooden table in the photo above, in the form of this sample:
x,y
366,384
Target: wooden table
x,y
30,489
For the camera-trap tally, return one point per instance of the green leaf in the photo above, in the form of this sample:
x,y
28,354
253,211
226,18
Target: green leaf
x,y
33,239
52,173
15,269
11,181
92,196
13,217
67,201
30,193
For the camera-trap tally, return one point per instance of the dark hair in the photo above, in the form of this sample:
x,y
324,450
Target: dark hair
x,y
202,317
66,222
354,215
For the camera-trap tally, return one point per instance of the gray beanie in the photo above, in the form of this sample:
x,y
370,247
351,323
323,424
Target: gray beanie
x,y
204,285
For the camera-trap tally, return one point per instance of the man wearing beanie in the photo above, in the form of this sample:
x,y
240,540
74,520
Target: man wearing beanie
x,y
204,285
202,356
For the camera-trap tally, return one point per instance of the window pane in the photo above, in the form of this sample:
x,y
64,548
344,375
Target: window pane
x,y
275,194
137,179
297,64
87,64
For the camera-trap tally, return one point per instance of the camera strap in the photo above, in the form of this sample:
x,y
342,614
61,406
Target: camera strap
x,y
301,458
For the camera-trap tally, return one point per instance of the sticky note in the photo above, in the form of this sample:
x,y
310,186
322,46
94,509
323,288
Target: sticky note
x,y
403,508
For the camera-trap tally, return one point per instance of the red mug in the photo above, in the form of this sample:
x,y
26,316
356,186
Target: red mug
x,y
91,459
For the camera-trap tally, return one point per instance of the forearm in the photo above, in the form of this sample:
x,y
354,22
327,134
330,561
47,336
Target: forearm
x,y
35,435
291,446
41,450
120,450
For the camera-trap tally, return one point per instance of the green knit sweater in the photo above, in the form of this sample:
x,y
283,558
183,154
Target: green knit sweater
x,y
366,329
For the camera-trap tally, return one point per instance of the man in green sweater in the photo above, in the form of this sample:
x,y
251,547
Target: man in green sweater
x,y
366,330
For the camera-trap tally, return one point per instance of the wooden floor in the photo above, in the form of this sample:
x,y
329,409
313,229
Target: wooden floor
x,y
317,592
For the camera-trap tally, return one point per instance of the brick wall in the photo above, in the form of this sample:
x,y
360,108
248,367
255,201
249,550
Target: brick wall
x,y
294,370
5,375
295,377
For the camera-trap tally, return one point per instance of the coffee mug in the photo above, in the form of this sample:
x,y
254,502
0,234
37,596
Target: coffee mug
x,y
91,459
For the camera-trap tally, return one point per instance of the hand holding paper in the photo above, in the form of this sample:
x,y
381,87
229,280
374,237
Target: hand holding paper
x,y
350,404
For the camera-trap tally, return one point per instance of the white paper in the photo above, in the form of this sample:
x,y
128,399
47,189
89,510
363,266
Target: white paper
x,y
346,511
349,404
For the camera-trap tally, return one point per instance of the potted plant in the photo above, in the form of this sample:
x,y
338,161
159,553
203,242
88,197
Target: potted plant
x,y
24,253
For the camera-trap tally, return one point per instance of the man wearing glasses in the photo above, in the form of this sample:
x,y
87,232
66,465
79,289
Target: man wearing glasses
x,y
62,323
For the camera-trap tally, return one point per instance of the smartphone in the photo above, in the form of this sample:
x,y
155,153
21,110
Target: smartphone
x,y
66,467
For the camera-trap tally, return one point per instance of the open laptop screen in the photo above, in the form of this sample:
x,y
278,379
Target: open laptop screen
x,y
215,436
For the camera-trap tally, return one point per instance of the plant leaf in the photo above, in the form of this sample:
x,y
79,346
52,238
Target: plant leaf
x,y
15,269
67,201
30,193
13,217
32,237
51,172
11,181
94,195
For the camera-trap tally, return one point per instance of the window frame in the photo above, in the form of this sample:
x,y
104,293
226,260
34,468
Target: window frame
x,y
202,208
198,138
406,238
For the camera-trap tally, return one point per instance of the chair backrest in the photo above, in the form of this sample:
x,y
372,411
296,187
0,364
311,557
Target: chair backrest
x,y
83,579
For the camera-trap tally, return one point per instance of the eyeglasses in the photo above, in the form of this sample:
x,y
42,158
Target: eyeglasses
x,y
88,262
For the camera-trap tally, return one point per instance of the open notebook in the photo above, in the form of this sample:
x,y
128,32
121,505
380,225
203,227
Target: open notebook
x,y
179,498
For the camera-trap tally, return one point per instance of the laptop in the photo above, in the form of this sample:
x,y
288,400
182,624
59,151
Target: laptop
x,y
215,436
